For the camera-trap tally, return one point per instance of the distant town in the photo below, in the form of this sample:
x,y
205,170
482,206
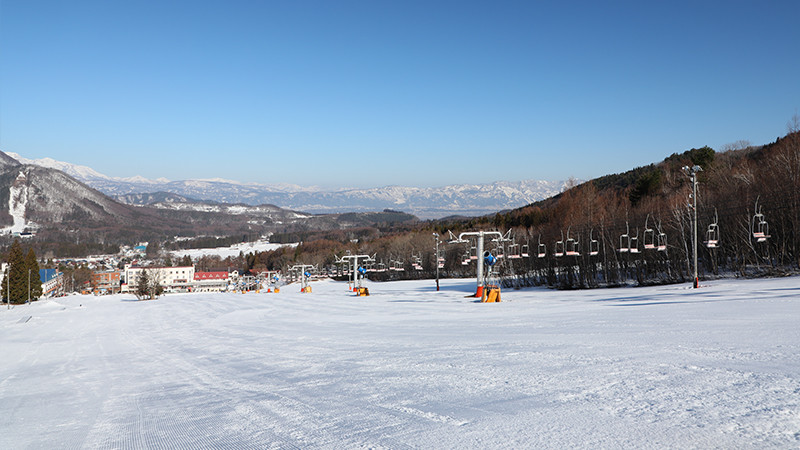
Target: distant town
x,y
114,274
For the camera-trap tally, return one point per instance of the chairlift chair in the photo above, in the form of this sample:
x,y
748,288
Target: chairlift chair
x,y
634,248
559,248
712,236
624,243
524,252
649,235
513,251
417,264
541,250
712,233
649,239
661,244
760,228
572,247
473,253
594,245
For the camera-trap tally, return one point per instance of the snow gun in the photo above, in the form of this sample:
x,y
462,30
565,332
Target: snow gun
x,y
489,259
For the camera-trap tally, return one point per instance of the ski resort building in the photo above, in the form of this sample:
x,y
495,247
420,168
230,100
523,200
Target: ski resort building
x,y
172,279
106,282
210,281
52,282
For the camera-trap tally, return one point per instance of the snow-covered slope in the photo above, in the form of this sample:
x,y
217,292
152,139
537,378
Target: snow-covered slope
x,y
426,203
47,196
407,367
17,205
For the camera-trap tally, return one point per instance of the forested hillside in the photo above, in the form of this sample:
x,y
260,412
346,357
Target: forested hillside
x,y
634,227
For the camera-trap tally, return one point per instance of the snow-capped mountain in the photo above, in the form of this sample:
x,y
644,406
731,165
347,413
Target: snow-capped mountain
x,y
426,203
32,195
57,207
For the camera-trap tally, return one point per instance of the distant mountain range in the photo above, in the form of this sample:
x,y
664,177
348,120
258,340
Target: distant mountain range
x,y
426,203
64,211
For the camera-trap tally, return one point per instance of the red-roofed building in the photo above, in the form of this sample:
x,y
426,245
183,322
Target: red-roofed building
x,y
210,281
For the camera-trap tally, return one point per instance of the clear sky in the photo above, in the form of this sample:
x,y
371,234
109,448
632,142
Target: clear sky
x,y
370,93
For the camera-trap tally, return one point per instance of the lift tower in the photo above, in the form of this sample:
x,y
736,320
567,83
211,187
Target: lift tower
x,y
480,236
354,259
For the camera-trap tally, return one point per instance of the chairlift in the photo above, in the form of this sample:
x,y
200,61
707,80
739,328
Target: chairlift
x,y
465,259
594,245
625,240
559,249
499,252
661,243
513,251
473,253
712,234
572,246
634,248
649,236
760,226
417,264
541,250
525,250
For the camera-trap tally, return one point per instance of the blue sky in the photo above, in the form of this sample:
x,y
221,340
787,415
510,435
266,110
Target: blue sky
x,y
372,93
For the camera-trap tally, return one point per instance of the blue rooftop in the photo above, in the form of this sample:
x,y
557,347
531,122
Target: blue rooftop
x,y
47,274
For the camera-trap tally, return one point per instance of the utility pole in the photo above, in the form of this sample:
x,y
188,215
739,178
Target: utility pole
x,y
692,173
29,286
436,237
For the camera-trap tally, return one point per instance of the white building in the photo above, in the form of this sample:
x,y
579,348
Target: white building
x,y
52,281
172,279
210,281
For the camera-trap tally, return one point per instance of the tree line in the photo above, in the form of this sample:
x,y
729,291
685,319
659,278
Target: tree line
x,y
21,281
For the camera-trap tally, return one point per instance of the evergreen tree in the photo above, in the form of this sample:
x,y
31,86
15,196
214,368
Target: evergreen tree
x,y
15,278
36,281
142,285
148,284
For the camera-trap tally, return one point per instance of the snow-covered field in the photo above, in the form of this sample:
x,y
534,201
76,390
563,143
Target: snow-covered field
x,y
232,251
407,367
